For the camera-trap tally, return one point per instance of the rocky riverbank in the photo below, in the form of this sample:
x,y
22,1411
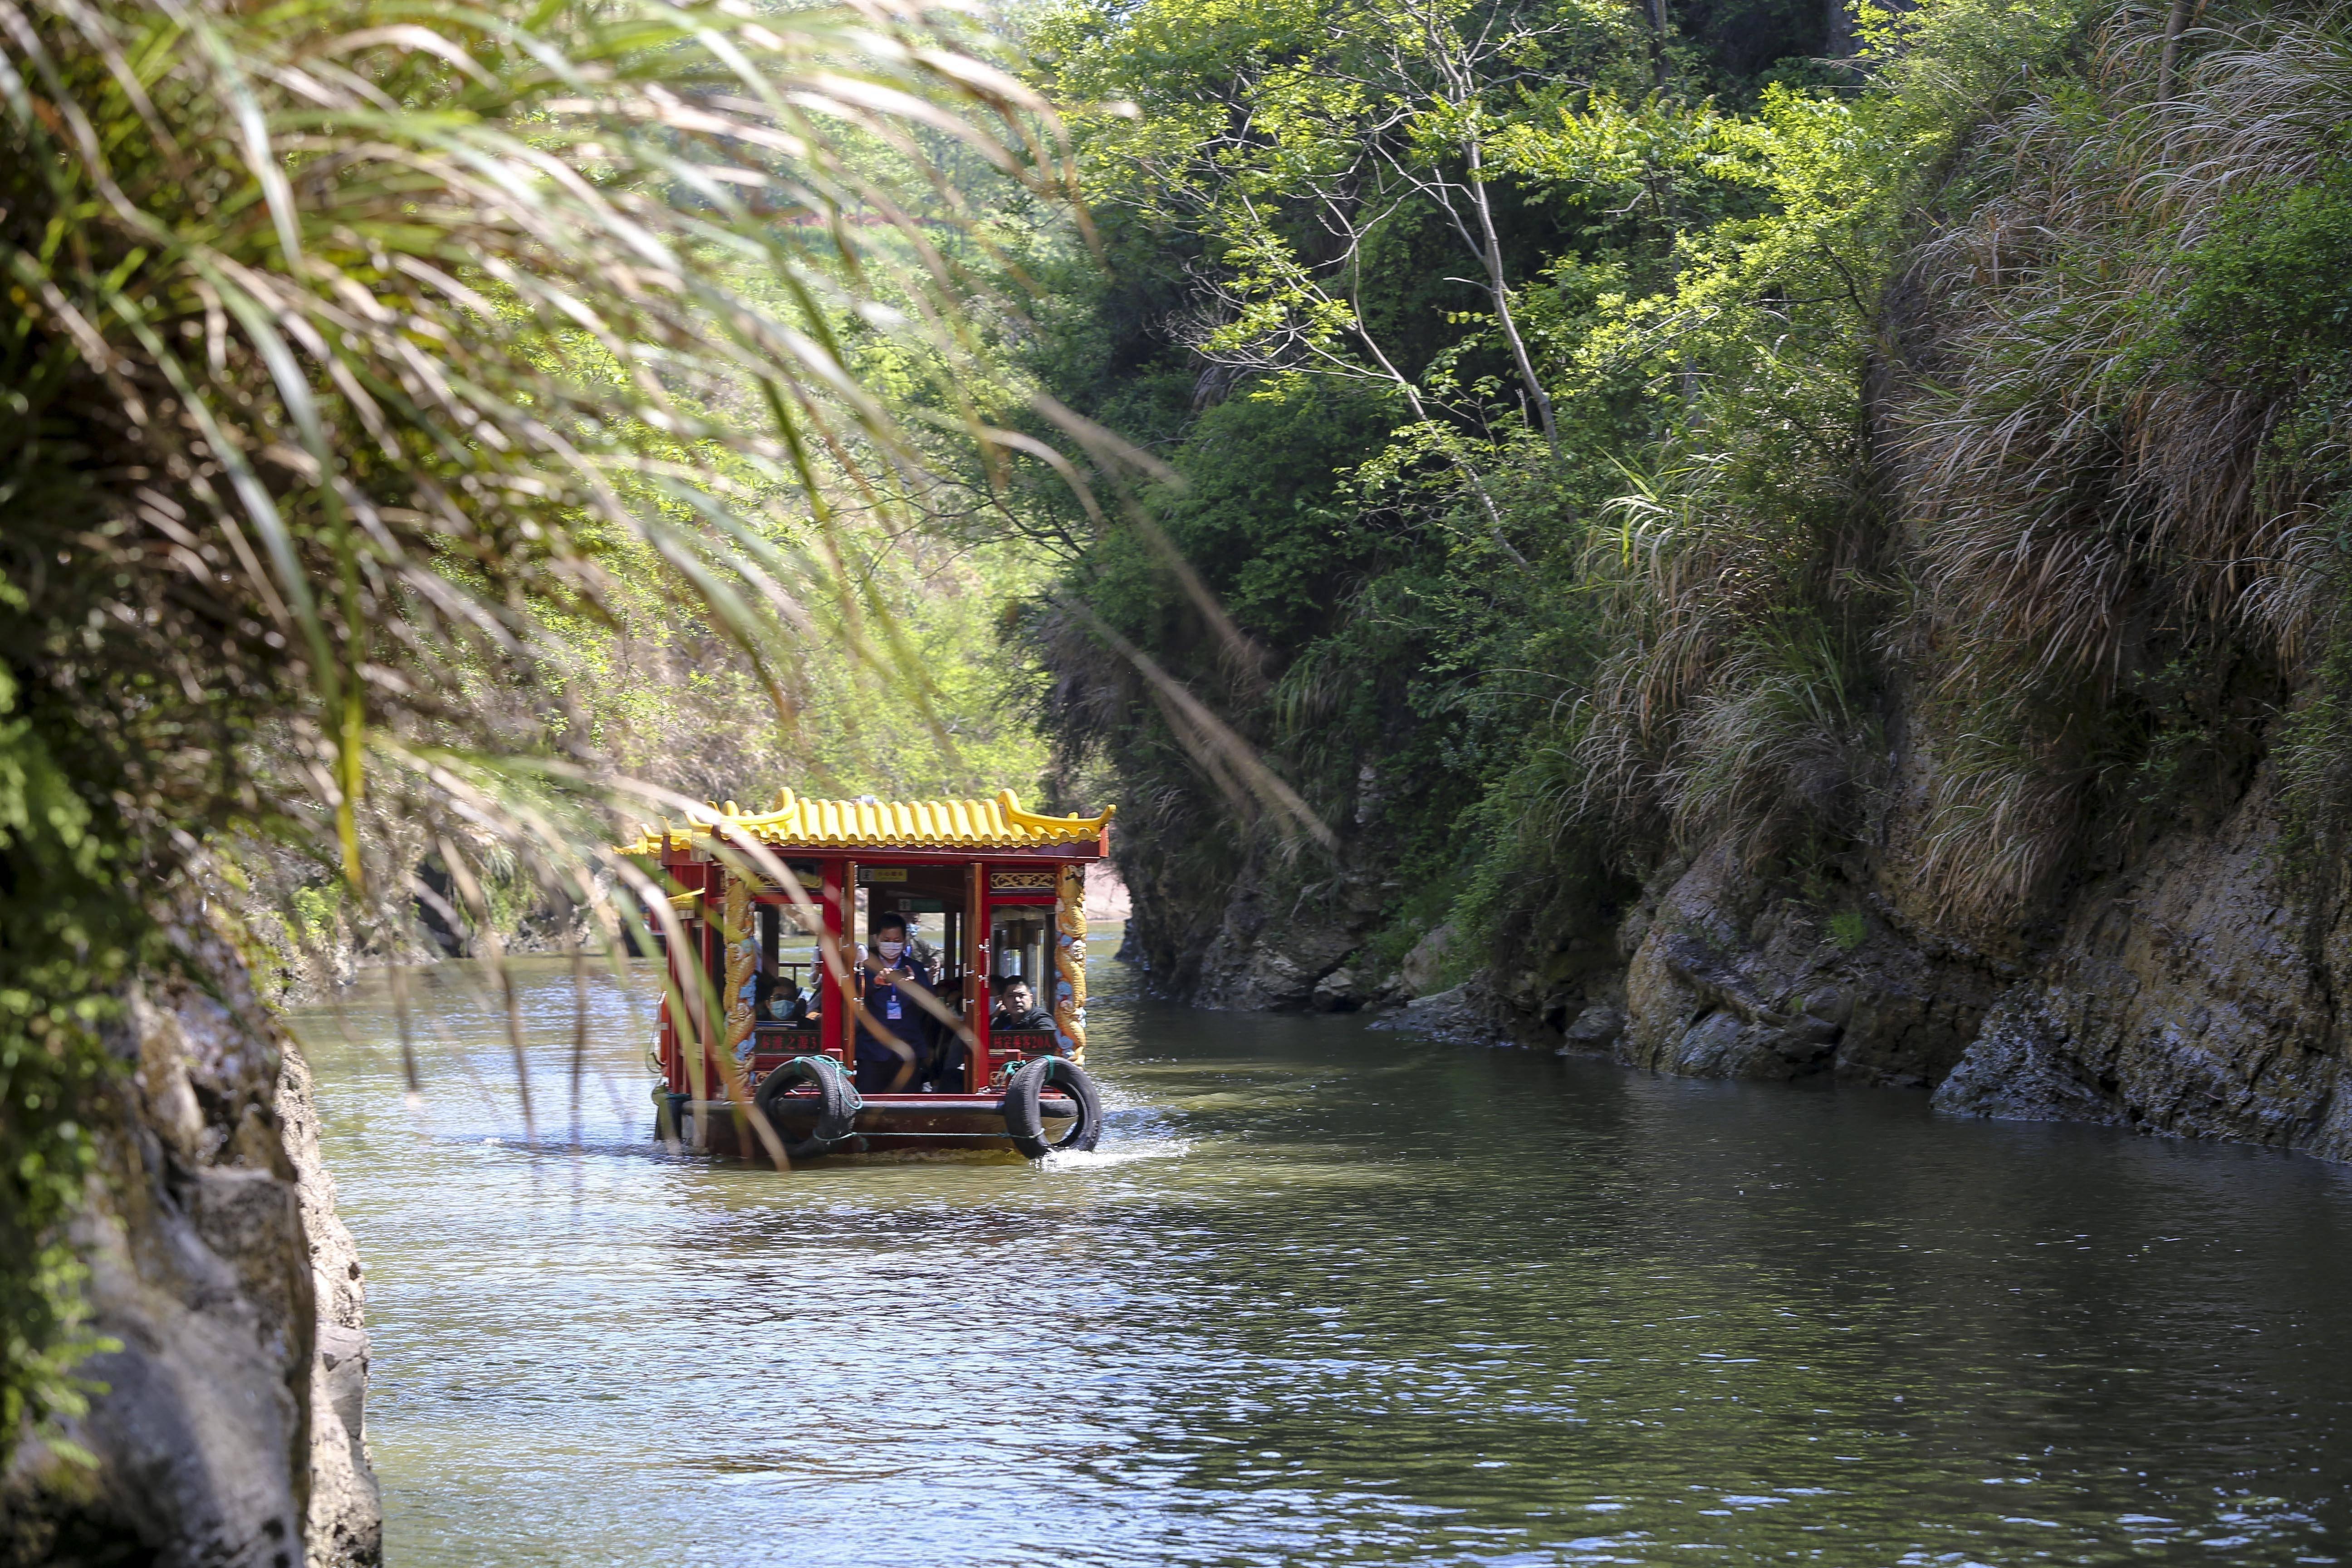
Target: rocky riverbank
x,y
1931,669
225,1425
2188,990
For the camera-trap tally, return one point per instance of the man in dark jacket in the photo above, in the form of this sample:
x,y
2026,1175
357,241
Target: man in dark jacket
x,y
899,1057
1017,1009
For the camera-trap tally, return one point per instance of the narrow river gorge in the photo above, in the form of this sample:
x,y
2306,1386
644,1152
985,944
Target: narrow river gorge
x,y
1326,1294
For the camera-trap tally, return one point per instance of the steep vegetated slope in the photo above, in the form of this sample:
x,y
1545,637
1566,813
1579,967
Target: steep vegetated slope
x,y
406,432
1775,566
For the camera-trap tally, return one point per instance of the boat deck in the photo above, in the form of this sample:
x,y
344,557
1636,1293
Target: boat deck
x,y
886,1123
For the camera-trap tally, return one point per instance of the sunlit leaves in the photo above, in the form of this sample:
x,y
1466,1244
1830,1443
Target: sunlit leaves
x,y
357,354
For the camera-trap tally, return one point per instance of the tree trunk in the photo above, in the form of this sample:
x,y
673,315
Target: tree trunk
x,y
1491,253
1844,37
2167,63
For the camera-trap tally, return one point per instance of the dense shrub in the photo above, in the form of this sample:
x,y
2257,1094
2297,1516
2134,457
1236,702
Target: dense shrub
x,y
1984,393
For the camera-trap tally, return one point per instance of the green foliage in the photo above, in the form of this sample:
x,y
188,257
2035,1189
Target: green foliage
x,y
661,693
2268,304
1409,579
1848,929
2267,283
2118,564
1958,378
1264,511
70,940
2315,766
367,367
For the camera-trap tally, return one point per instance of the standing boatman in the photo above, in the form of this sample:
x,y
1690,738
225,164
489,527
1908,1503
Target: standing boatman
x,y
898,1058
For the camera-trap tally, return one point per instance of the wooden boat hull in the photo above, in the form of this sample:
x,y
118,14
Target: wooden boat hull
x,y
898,1126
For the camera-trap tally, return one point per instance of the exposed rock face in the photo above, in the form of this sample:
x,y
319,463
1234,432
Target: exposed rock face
x,y
2018,1070
1720,986
1338,992
345,1521
207,1232
1427,961
1266,965
2187,993
1465,1015
1257,950
1595,1029
2187,996
2180,986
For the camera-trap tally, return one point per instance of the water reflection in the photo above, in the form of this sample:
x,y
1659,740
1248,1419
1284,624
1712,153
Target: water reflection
x,y
1325,1295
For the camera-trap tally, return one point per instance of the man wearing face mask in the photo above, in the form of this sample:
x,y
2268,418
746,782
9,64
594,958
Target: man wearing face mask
x,y
898,1058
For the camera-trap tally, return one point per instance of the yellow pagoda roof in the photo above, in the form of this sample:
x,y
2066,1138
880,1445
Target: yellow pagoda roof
x,y
867,823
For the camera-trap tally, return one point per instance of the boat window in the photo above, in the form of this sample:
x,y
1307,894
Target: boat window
x,y
1017,950
781,924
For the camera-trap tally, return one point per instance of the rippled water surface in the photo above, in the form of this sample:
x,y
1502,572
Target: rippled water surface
x,y
1325,1295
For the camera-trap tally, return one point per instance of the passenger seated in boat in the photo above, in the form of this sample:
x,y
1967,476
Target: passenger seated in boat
x,y
1017,1009
787,1003
900,1058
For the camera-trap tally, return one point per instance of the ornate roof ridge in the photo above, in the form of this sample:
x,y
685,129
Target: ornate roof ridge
x,y
803,822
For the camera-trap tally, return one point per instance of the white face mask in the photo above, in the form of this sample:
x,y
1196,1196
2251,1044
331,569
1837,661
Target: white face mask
x,y
890,951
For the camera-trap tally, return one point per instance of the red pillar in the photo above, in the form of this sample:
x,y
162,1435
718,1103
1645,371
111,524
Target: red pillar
x,y
977,964
834,901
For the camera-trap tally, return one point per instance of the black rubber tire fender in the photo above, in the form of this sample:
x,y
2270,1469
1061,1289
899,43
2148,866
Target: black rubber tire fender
x,y
837,1102
1026,1123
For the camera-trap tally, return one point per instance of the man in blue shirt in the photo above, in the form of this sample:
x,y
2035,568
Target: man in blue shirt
x,y
898,1058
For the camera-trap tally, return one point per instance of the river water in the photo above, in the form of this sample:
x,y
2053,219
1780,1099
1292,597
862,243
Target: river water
x,y
1325,1295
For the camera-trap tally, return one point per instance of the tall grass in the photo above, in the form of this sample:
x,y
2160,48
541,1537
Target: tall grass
x,y
2089,488
353,352
2068,482
1737,699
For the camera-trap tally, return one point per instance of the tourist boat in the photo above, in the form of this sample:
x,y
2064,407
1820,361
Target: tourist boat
x,y
1007,887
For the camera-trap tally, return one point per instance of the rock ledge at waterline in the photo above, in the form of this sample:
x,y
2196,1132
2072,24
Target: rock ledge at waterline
x,y
2187,990
229,1433
2182,994
2185,994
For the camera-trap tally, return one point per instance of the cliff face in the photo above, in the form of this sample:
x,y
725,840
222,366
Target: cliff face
x,y
227,1428
344,1521
2192,995
1268,946
2188,993
2183,989
1997,748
